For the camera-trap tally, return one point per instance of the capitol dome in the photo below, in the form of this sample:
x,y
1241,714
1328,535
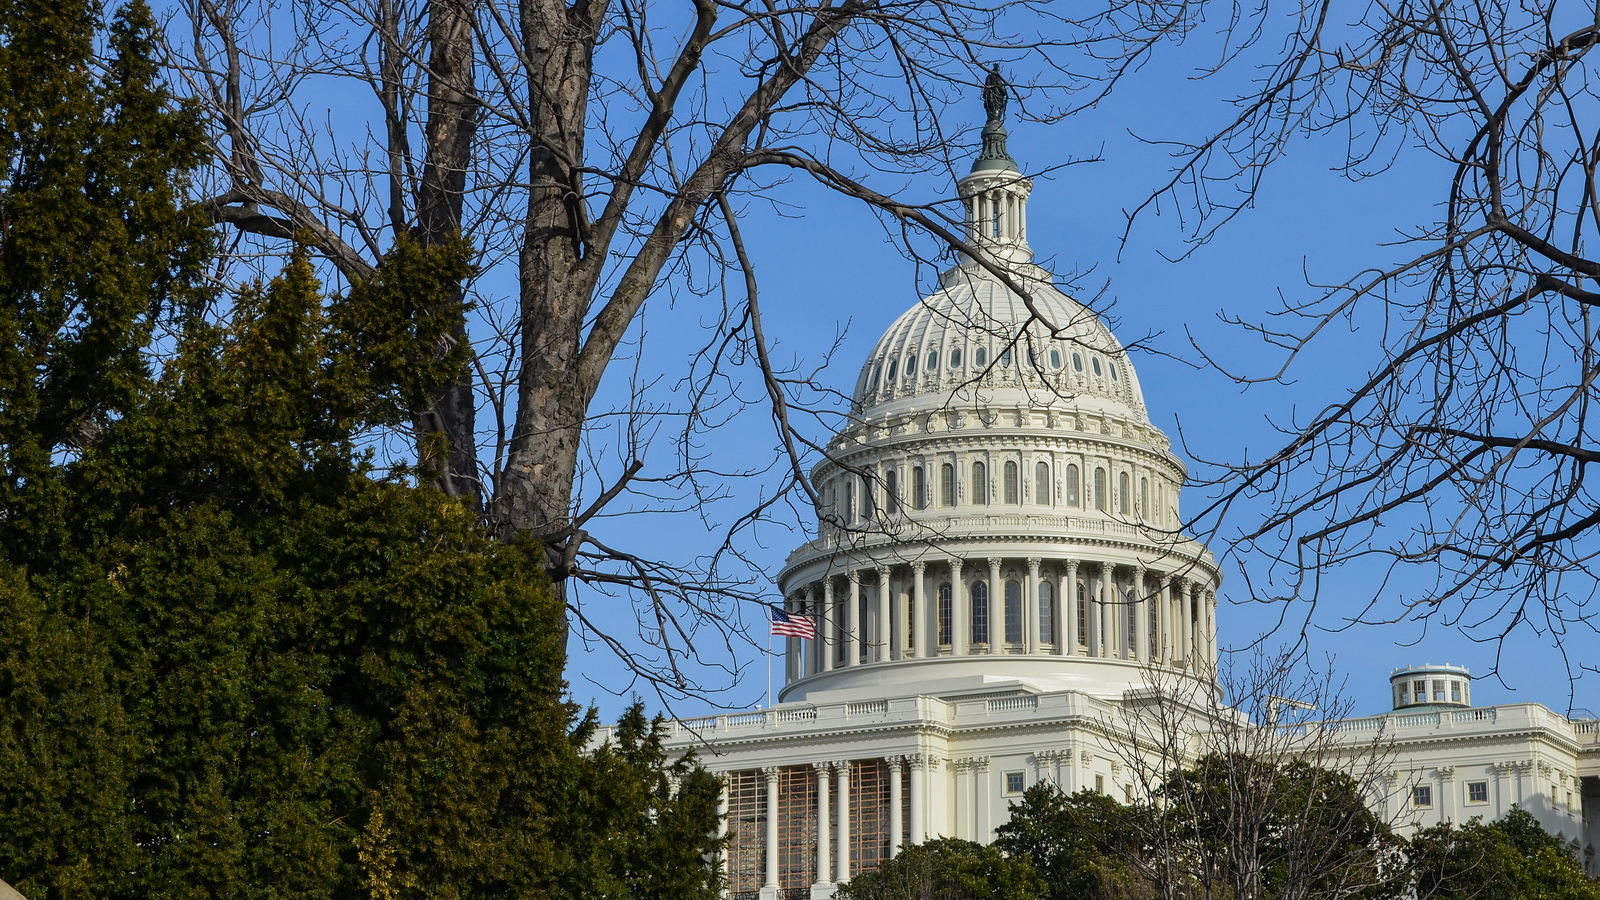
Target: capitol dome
x,y
1000,515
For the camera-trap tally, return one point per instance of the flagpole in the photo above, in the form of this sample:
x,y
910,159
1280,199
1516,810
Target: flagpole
x,y
769,667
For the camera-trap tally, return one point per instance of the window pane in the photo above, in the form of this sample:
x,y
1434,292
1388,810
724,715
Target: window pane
x,y
946,619
1042,494
1122,493
1047,612
1012,487
1013,612
892,488
919,489
980,484
980,612
947,485
1072,491
1100,489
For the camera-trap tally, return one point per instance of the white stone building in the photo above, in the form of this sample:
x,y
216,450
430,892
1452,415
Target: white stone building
x,y
998,577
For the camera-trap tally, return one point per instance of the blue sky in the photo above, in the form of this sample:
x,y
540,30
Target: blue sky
x,y
826,265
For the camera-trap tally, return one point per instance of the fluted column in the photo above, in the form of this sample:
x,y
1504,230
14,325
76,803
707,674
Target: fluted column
x,y
1069,591
794,650
841,772
884,631
960,612
1186,624
1141,618
825,625
896,823
1094,609
771,775
919,801
824,821
1210,660
852,622
1116,615
919,610
997,608
1164,622
1030,608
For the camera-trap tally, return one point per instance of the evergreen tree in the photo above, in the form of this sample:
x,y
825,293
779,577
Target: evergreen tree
x,y
235,660
947,869
1084,845
1511,859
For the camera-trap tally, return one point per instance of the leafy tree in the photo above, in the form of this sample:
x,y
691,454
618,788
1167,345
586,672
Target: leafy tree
x,y
1511,859
238,661
1084,846
947,869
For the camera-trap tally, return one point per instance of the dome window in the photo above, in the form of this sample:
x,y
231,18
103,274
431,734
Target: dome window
x,y
894,365
1077,362
1005,358
933,361
1093,361
872,386
980,484
1113,370
911,364
955,357
980,356
1055,358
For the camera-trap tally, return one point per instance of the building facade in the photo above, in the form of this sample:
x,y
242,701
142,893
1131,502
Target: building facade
x,y
999,582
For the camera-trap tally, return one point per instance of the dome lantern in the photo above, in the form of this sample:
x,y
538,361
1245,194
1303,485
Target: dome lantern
x,y
995,193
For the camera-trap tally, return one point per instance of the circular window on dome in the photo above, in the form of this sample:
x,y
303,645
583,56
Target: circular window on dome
x,y
911,364
894,365
980,356
955,357
1093,361
933,361
1077,362
1055,359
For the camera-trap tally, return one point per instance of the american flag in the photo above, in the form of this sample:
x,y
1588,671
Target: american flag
x,y
791,625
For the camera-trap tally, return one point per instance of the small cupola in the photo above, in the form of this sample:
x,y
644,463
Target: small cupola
x,y
995,192
1445,685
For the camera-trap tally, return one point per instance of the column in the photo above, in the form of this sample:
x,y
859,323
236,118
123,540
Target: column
x,y
825,623
841,773
997,608
965,815
794,651
896,824
960,612
811,652
1114,612
1210,659
1069,610
884,632
1164,622
980,801
919,610
1141,618
771,774
823,821
1186,625
919,794
1091,605
722,817
1030,608
852,623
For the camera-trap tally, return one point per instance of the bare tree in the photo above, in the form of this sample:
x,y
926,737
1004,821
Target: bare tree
x,y
1254,791
598,155
1464,452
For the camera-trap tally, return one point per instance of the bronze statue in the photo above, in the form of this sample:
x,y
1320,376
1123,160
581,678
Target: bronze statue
x,y
994,94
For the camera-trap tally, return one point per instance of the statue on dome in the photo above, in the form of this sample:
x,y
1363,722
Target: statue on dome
x,y
994,94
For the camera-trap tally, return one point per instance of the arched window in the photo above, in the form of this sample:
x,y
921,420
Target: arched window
x,y
894,366
1005,358
1122,493
955,357
1047,612
1144,498
980,356
980,484
891,484
933,361
849,500
1083,615
947,485
980,612
1013,612
1100,489
1113,367
919,489
1012,487
911,364
872,385
869,506
1077,362
1073,491
1055,358
946,617
1095,361
1042,494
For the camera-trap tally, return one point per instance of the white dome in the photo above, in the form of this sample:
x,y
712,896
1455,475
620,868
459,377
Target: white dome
x,y
976,338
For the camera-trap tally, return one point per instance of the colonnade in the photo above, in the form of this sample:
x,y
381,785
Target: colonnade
x,y
1000,605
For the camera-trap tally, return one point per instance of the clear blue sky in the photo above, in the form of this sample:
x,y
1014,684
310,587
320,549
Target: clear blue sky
x,y
826,264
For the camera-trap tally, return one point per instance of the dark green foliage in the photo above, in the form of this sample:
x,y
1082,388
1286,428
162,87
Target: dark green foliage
x,y
947,869
234,661
1085,846
1512,859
